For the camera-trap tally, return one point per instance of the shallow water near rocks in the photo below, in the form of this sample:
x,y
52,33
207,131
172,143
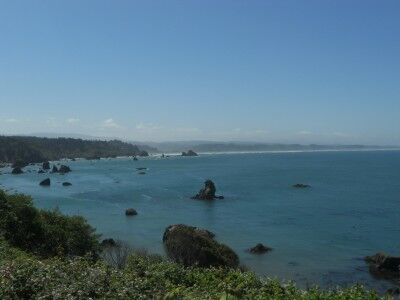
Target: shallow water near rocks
x,y
319,235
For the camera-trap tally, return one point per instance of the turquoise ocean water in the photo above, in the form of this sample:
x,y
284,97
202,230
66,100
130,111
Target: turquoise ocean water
x,y
319,235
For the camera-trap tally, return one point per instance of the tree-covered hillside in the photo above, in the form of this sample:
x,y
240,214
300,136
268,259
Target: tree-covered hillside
x,y
24,150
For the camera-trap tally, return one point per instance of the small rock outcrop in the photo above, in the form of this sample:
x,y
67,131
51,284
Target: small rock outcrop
x,y
46,165
382,265
189,153
67,184
55,169
17,171
301,185
108,243
41,171
130,212
259,249
45,182
208,192
192,246
142,173
64,169
141,168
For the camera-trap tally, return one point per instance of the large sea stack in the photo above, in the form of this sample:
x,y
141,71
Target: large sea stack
x,y
208,192
192,246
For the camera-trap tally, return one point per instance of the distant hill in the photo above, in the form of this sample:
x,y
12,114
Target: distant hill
x,y
21,150
204,146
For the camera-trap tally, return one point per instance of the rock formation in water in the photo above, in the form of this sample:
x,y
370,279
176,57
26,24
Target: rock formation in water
x,y
382,265
189,153
192,246
259,249
45,182
208,192
131,212
67,184
64,169
17,171
301,185
55,169
46,165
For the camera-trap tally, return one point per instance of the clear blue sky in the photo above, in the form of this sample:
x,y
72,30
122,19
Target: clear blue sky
x,y
273,71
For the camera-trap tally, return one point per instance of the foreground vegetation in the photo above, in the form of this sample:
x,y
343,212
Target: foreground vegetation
x,y
20,150
60,258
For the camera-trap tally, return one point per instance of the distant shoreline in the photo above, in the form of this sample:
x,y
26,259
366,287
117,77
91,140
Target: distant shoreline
x,y
280,151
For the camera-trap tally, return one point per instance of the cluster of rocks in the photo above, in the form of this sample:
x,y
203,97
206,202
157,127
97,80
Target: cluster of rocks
x,y
189,153
47,182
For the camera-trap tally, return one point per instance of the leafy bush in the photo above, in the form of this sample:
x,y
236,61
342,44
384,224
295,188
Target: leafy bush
x,y
145,277
44,233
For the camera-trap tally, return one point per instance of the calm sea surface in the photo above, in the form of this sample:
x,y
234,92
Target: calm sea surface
x,y
319,235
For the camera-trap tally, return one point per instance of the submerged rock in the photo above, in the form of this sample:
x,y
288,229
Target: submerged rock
x,y
301,185
259,249
131,212
45,182
208,192
64,169
17,171
189,153
192,246
141,168
383,265
46,165
142,173
67,184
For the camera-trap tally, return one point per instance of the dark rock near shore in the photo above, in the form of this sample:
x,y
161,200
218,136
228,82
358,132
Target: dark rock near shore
x,y
192,246
108,243
135,158
46,165
55,169
64,169
301,185
19,164
45,182
208,192
382,265
131,212
259,249
189,153
17,171
67,184
41,171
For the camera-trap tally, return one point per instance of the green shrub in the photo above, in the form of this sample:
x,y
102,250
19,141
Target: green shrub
x,y
44,233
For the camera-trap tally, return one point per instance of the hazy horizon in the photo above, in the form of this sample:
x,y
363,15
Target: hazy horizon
x,y
307,72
